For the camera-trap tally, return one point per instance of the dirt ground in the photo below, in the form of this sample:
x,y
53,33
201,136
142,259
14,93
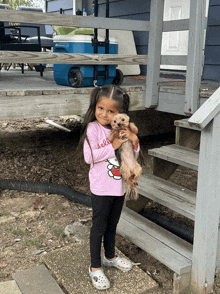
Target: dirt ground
x,y
31,150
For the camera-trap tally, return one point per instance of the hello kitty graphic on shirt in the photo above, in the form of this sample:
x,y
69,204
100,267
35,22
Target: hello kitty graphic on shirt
x,y
114,168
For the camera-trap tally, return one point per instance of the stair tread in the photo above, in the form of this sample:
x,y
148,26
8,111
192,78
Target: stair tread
x,y
169,249
171,195
183,123
177,154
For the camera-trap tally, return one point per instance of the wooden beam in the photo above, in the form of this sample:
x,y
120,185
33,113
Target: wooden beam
x,y
69,58
76,58
176,25
207,210
54,103
174,59
73,20
195,61
154,53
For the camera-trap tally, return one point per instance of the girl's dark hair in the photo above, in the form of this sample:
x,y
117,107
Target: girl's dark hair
x,y
108,91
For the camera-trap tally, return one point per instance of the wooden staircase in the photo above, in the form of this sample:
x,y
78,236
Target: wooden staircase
x,y
166,247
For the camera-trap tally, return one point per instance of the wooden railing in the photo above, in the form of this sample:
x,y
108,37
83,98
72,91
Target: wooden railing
x,y
194,61
153,60
206,249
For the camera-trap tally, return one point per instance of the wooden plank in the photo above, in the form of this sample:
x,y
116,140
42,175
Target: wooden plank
x,y
69,58
173,196
183,123
73,20
187,138
171,102
20,107
174,59
177,154
169,249
162,168
154,53
197,26
207,210
176,25
206,112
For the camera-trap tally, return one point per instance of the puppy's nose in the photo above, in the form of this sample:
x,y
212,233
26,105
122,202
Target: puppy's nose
x,y
119,125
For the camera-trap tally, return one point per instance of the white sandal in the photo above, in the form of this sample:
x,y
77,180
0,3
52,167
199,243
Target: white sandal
x,y
118,262
99,279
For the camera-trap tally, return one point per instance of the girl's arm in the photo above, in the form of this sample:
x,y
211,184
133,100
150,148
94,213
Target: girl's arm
x,y
98,153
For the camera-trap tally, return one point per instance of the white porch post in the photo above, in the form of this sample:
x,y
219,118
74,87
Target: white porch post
x,y
207,210
195,60
154,53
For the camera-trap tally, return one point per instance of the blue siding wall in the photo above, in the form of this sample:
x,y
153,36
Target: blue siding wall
x,y
140,10
212,48
135,10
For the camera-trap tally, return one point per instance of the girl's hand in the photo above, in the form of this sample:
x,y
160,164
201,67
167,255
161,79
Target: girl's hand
x,y
117,142
131,136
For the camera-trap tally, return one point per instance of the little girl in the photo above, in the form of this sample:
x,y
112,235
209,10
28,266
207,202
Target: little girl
x,y
107,192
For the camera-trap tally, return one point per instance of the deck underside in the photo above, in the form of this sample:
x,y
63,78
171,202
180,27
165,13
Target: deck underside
x,y
29,95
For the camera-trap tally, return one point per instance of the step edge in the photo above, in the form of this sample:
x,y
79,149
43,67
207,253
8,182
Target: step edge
x,y
162,154
187,263
164,198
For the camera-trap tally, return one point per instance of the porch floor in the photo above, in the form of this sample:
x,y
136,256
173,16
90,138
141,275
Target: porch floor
x,y
14,80
29,95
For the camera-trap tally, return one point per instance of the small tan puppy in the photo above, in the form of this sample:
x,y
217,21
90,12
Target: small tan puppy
x,y
129,167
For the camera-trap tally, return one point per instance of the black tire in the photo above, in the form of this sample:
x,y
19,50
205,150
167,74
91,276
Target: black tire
x,y
75,78
119,78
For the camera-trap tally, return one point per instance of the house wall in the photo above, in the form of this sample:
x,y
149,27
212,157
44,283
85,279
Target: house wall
x,y
135,10
212,48
140,10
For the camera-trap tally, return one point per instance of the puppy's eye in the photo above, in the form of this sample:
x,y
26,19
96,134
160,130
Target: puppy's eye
x,y
115,121
122,119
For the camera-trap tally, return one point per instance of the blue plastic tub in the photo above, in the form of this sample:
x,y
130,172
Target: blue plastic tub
x,y
69,74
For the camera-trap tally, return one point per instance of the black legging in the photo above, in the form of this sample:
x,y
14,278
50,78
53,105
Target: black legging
x,y
106,214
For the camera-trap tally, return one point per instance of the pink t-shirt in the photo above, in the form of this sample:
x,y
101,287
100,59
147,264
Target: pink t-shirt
x,y
104,175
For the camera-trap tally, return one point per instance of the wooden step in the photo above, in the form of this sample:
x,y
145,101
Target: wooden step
x,y
177,154
169,249
183,123
173,196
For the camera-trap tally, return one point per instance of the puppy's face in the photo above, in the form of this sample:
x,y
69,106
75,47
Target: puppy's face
x,y
120,121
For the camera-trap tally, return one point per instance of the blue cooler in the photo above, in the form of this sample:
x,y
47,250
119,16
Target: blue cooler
x,y
81,75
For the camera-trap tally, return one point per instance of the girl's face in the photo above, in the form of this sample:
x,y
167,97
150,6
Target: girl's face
x,y
105,110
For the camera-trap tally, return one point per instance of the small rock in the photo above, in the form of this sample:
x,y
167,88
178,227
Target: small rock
x,y
36,252
78,230
17,240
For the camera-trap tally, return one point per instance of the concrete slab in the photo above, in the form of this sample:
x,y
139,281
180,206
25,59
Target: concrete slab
x,y
70,266
36,281
9,287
